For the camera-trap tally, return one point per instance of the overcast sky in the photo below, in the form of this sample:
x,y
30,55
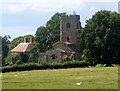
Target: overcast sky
x,y
21,17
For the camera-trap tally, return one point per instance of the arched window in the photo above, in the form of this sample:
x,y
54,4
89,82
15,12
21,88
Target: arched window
x,y
68,25
68,39
53,56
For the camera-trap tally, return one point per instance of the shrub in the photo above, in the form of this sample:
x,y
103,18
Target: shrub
x,y
115,65
8,59
43,63
19,62
18,56
100,65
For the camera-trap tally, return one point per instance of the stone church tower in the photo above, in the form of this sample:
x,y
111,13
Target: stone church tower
x,y
68,44
68,28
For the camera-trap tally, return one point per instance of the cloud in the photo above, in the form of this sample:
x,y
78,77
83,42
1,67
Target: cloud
x,y
15,6
13,31
93,9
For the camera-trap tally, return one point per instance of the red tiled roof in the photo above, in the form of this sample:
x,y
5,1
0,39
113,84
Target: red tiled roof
x,y
22,47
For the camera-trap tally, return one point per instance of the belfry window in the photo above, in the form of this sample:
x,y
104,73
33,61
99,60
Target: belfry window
x,y
68,25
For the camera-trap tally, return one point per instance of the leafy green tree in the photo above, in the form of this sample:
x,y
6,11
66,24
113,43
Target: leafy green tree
x,y
100,38
46,36
54,22
20,56
5,47
24,57
0,50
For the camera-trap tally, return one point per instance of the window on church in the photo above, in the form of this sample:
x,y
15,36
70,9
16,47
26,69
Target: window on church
x,y
68,39
68,25
53,56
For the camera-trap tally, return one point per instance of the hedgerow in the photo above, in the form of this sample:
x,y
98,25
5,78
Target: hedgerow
x,y
35,66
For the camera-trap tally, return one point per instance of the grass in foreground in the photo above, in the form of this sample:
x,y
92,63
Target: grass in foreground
x,y
100,78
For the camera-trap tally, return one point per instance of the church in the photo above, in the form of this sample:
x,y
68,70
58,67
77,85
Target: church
x,y
68,48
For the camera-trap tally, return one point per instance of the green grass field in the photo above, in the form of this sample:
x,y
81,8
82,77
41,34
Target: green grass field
x,y
100,78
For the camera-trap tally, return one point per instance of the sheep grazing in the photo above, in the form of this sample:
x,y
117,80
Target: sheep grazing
x,y
91,70
79,83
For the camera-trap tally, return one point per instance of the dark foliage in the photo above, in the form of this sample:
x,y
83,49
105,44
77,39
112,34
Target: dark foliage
x,y
35,66
100,38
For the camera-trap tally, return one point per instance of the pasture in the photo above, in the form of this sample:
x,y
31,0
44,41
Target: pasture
x,y
99,78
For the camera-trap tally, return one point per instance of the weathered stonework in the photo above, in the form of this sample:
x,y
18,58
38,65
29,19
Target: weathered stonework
x,y
68,28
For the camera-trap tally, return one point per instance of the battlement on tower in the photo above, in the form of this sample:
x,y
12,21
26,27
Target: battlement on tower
x,y
71,17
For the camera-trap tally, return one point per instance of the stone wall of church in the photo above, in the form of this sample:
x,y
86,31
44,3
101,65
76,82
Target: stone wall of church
x,y
51,56
68,41
68,28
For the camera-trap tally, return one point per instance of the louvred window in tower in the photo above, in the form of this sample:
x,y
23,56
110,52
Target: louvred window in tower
x,y
68,25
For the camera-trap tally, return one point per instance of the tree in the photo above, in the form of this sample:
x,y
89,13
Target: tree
x,y
100,38
0,50
46,36
5,47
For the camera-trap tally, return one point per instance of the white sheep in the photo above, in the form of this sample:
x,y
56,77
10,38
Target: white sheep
x,y
91,70
79,83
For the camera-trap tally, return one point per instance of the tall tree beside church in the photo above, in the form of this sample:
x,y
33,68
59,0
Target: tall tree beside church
x,y
101,38
47,35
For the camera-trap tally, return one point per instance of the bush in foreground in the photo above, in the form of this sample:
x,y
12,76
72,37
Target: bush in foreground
x,y
35,66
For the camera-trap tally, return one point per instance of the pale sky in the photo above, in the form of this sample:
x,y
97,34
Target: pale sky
x,y
21,17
